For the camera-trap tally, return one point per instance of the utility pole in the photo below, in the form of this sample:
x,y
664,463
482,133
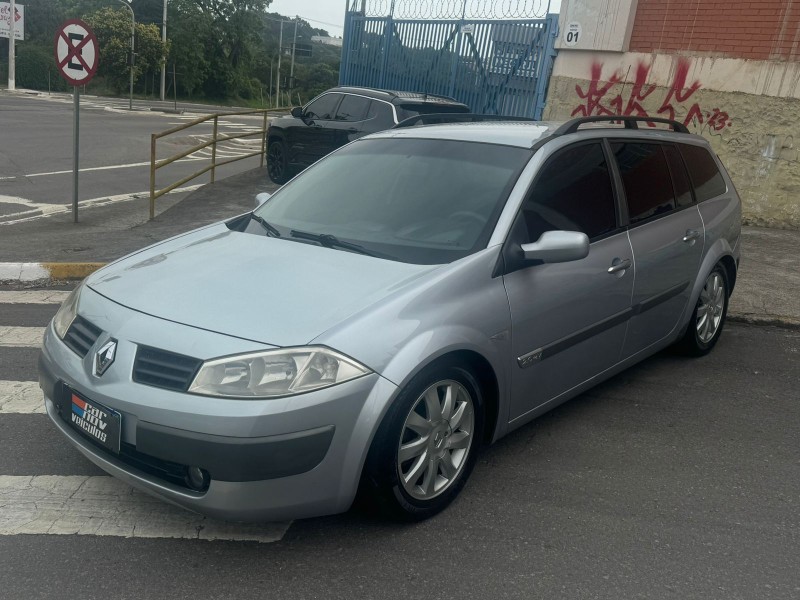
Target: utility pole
x,y
133,59
11,59
291,70
280,51
164,41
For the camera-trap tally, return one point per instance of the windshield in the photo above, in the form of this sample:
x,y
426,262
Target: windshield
x,y
411,200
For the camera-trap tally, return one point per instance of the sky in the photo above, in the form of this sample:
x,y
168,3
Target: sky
x,y
329,14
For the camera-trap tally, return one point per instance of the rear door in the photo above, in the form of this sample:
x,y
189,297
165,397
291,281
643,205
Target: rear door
x,y
667,236
568,319
349,120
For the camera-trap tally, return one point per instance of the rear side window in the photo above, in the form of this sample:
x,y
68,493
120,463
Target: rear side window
x,y
646,178
352,108
683,189
572,193
706,178
379,116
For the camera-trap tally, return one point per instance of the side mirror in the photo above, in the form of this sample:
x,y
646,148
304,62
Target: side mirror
x,y
558,247
297,112
261,198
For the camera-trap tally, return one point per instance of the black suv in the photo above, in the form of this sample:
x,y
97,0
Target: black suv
x,y
338,116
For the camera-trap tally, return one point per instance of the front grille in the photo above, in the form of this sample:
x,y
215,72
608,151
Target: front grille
x,y
81,336
163,369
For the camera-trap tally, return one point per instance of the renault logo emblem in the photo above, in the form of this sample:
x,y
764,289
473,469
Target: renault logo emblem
x,y
104,357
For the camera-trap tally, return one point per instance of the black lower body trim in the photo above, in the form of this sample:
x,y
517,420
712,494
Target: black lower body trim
x,y
553,348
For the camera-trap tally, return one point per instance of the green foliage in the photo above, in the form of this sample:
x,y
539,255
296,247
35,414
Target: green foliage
x,y
220,49
36,69
113,30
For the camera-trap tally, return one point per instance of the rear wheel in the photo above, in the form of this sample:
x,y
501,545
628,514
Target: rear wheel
x,y
277,162
709,315
427,444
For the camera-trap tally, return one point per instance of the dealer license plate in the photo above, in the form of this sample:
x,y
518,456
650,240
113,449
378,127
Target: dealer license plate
x,y
96,422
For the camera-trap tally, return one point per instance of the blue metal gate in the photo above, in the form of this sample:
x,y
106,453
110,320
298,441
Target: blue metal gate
x,y
484,53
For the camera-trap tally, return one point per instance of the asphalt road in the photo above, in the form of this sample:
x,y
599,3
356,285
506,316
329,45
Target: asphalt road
x,y
36,151
676,479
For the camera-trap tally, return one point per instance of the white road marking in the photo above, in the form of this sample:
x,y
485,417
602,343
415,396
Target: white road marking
x,y
33,296
39,211
70,505
21,337
88,169
21,397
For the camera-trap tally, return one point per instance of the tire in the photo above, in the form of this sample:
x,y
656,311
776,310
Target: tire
x,y
708,317
278,162
438,454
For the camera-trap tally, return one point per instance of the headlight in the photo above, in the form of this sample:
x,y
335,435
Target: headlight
x,y
66,314
275,373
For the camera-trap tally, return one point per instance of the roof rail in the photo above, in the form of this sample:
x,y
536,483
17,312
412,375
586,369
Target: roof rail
x,y
436,118
630,123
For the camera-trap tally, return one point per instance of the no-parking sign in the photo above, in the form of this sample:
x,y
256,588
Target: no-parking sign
x,y
76,52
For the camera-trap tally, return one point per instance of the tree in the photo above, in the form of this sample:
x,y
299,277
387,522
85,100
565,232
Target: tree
x,y
113,30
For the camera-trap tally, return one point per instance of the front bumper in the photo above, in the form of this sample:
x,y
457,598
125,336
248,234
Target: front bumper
x,y
268,459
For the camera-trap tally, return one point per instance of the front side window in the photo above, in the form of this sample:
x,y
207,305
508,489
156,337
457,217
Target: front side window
x,y
572,192
352,108
413,200
706,178
323,108
646,178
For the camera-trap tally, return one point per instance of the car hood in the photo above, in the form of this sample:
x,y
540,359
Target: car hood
x,y
250,286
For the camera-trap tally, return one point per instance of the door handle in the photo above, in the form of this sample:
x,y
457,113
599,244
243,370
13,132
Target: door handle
x,y
691,235
622,265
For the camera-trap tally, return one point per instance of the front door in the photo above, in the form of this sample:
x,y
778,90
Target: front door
x,y
312,137
568,319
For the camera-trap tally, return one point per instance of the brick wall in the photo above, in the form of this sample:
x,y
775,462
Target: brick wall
x,y
755,29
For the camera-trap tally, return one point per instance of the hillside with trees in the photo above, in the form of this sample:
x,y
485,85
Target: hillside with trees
x,y
219,50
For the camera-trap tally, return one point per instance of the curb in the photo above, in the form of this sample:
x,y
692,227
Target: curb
x,y
764,320
45,271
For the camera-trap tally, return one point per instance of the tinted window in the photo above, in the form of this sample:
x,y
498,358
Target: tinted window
x,y
323,107
352,108
431,108
706,178
412,200
380,116
683,190
572,193
645,175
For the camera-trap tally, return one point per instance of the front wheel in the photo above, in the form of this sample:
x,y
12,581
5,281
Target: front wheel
x,y
427,444
277,162
709,315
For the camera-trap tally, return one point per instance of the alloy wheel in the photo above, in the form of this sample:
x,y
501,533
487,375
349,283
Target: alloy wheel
x,y
276,161
436,439
710,307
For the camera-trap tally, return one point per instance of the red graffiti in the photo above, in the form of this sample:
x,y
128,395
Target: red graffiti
x,y
601,100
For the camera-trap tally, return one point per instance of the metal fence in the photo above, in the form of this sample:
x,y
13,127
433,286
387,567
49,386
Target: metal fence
x,y
490,54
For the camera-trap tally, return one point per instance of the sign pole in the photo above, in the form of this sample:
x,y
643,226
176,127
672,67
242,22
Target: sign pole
x,y
76,55
76,94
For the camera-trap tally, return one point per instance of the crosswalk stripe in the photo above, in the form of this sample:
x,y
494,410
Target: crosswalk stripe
x,y
20,397
98,505
33,296
21,337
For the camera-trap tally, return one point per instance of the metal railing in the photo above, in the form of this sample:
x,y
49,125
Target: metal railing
x,y
215,139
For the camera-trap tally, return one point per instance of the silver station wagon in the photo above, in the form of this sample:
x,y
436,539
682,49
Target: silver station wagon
x,y
409,298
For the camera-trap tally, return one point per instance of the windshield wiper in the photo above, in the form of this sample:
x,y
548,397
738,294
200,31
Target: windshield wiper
x,y
270,229
330,241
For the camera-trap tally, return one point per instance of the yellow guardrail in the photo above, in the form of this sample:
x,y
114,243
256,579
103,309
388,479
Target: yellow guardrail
x,y
215,139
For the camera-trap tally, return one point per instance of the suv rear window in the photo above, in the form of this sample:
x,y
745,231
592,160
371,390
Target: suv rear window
x,y
706,178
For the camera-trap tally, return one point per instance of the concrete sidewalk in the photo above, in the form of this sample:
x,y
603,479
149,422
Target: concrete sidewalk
x,y
767,289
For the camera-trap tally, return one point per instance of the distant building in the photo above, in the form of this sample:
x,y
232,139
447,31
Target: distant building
x,y
330,41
